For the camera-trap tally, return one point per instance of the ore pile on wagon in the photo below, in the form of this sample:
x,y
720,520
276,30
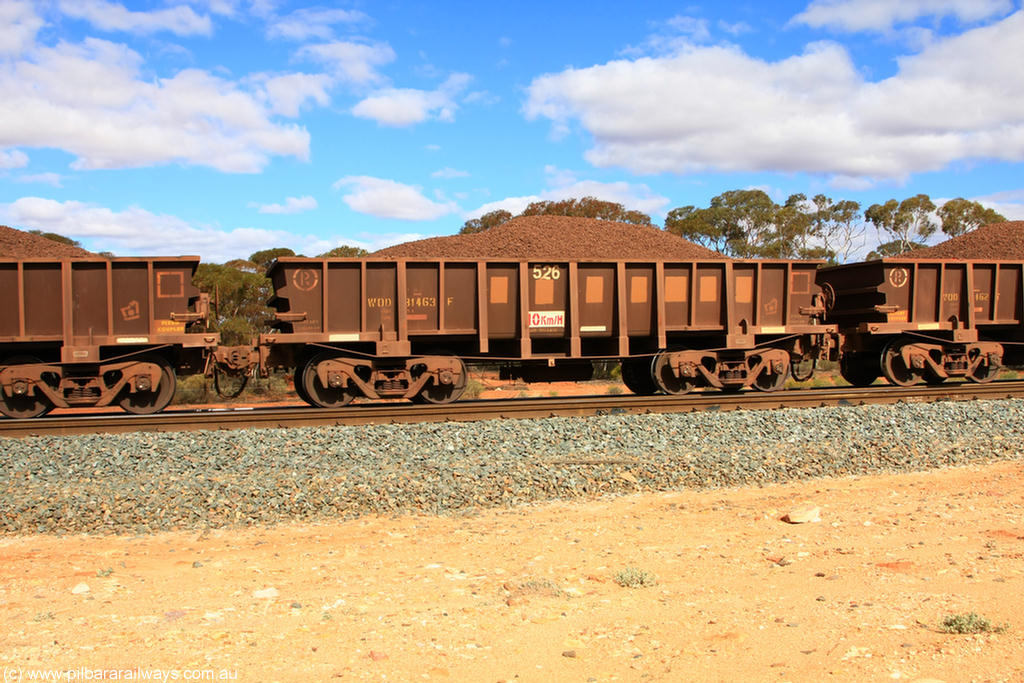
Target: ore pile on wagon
x,y
994,241
19,244
557,237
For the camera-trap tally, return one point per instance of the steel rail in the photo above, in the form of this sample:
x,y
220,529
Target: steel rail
x,y
517,408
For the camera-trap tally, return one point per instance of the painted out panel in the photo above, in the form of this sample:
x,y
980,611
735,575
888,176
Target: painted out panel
x,y
639,285
1009,293
460,302
708,309
678,285
344,298
9,321
43,295
131,299
502,300
597,300
925,292
746,280
89,297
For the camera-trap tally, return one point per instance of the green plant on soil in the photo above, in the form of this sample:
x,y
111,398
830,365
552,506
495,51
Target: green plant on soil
x,y
474,388
970,623
631,577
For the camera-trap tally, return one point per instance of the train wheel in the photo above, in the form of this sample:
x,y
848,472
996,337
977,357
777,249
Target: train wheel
x,y
983,373
24,407
893,367
859,369
666,380
149,402
636,375
300,389
771,381
315,392
803,369
445,393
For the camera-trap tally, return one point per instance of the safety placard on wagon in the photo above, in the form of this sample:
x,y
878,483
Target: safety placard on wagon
x,y
547,319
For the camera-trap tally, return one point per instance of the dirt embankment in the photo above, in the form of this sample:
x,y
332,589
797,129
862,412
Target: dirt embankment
x,y
710,586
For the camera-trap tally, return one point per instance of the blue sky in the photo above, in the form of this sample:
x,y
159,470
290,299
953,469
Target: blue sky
x,y
221,127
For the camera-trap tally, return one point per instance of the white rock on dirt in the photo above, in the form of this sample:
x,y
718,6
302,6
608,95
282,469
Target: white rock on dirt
x,y
803,514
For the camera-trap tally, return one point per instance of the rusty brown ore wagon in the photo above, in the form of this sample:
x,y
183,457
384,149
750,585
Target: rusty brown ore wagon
x,y
911,320
96,332
406,328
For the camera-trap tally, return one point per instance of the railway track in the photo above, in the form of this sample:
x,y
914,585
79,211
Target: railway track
x,y
383,413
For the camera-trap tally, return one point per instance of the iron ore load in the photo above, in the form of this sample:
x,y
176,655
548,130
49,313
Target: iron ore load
x,y
405,328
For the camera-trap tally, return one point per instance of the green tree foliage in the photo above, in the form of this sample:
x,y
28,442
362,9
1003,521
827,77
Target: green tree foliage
x,y
741,223
962,215
908,221
748,224
56,238
491,219
344,251
587,207
239,301
707,227
264,258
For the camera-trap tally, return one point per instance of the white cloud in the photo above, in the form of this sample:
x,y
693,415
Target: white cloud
x,y
448,173
51,100
13,159
111,16
19,24
407,106
882,15
1009,203
390,199
371,242
563,184
54,179
718,109
136,231
286,94
351,62
291,205
696,29
306,23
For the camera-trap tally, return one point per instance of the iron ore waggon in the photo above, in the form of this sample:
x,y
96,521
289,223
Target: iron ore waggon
x,y
912,320
406,328
97,332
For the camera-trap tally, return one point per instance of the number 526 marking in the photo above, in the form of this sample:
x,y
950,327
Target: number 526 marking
x,y
546,273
